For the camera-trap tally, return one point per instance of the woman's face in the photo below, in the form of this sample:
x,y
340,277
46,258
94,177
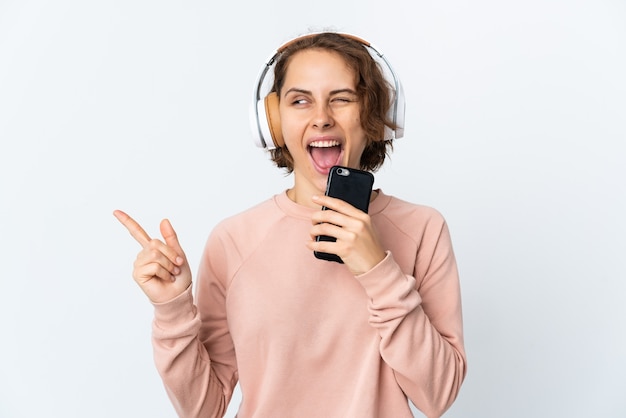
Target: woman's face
x,y
320,119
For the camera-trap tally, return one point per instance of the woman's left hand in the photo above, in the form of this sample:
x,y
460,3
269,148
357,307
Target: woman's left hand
x,y
357,242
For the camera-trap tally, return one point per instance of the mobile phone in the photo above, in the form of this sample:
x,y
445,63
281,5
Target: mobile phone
x,y
351,185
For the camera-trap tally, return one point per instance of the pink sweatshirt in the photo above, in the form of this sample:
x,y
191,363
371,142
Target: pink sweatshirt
x,y
303,336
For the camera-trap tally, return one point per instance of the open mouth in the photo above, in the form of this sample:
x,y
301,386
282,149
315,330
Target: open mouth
x,y
325,154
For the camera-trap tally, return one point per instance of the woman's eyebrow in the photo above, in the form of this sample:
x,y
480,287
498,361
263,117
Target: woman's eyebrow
x,y
297,90
303,91
346,90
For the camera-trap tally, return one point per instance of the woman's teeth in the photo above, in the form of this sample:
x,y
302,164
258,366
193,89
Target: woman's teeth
x,y
324,144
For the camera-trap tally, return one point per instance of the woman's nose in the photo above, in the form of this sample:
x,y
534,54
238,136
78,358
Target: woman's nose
x,y
322,117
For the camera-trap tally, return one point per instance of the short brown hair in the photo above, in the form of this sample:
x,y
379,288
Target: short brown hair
x,y
372,89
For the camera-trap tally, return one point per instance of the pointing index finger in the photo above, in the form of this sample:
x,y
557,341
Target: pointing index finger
x,y
133,227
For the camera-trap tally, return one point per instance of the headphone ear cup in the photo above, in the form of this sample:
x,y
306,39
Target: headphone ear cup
x,y
273,119
400,111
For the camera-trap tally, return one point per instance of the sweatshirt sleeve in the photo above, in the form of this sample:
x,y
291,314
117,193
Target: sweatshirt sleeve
x,y
193,386
420,322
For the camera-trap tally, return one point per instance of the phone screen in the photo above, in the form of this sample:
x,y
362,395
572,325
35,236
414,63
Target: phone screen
x,y
351,185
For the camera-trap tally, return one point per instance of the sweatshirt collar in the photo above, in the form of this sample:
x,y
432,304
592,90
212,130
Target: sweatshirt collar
x,y
291,208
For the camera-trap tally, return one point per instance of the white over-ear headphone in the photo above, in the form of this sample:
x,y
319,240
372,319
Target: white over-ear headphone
x,y
264,117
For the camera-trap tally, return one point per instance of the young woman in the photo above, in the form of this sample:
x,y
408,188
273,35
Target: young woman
x,y
306,337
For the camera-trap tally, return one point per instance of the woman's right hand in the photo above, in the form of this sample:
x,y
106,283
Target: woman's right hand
x,y
161,268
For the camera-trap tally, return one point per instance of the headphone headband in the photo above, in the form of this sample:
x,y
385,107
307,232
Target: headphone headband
x,y
264,118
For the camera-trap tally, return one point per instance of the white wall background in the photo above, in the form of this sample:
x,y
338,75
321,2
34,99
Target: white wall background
x,y
516,129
